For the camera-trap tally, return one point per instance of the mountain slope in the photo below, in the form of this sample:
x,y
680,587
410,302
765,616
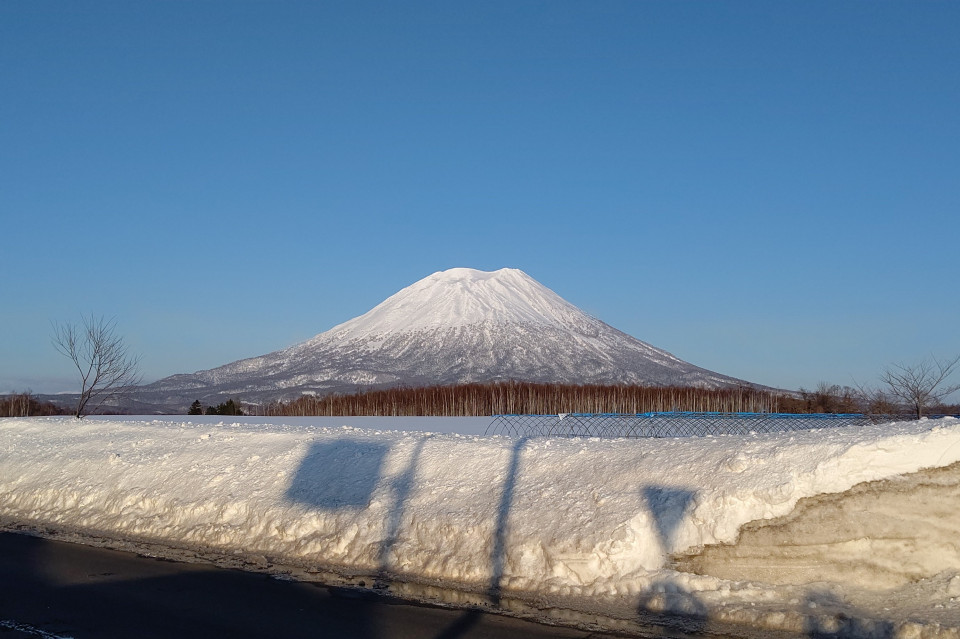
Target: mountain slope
x,y
455,326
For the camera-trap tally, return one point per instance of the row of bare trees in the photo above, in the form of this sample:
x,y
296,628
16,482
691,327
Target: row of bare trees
x,y
905,389
26,405
916,390
527,398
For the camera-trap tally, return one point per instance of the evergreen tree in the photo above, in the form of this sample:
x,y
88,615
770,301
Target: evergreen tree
x,y
229,407
195,408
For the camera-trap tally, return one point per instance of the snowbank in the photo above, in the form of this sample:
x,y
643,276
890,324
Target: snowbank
x,y
599,525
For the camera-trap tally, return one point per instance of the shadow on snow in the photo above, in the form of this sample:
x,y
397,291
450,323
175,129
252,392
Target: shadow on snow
x,y
347,473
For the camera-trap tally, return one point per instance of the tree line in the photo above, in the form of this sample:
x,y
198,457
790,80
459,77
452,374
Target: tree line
x,y
229,407
516,397
922,397
26,405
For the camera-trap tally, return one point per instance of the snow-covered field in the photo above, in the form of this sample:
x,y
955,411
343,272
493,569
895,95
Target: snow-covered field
x,y
765,531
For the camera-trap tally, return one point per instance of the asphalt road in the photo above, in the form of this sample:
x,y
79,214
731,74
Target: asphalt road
x,y
54,590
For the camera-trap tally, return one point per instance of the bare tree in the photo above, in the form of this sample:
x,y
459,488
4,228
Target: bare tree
x,y
875,401
105,365
921,385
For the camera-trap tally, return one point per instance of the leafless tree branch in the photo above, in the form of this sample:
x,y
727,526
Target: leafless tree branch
x,y
103,362
921,385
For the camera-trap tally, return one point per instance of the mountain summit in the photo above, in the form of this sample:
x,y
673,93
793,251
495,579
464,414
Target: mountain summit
x,y
464,297
456,326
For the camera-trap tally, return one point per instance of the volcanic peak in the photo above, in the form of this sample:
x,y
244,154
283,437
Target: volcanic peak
x,y
464,297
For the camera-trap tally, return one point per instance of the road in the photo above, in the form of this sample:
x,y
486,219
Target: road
x,y
55,590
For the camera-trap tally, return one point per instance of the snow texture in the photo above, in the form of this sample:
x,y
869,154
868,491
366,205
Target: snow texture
x,y
455,326
810,532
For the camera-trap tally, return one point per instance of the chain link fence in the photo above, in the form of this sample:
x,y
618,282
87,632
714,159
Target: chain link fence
x,y
668,424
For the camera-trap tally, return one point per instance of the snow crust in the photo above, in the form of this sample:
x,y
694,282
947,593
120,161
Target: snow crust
x,y
592,524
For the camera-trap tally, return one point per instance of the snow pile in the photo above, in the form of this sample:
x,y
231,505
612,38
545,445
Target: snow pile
x,y
596,524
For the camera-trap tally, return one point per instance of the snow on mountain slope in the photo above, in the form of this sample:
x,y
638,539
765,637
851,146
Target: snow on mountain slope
x,y
455,326
461,297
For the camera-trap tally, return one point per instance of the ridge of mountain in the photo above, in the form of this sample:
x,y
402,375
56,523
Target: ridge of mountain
x,y
455,326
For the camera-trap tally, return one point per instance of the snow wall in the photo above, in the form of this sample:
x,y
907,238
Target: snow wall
x,y
625,528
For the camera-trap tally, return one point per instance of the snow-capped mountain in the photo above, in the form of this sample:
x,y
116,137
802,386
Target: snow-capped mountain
x,y
455,326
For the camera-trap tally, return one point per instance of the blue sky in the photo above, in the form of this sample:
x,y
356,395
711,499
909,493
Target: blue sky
x,y
767,189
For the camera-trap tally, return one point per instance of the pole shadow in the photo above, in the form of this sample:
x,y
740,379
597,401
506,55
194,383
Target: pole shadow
x,y
668,506
345,474
402,485
666,603
498,552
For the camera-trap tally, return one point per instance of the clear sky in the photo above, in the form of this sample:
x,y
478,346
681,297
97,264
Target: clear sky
x,y
767,189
